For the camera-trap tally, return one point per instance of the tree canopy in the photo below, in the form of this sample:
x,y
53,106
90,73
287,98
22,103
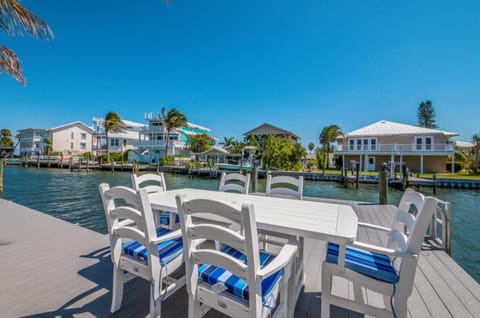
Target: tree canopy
x,y
426,115
112,123
5,138
199,143
328,135
17,20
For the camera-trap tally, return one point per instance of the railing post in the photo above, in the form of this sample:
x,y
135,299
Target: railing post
x,y
447,242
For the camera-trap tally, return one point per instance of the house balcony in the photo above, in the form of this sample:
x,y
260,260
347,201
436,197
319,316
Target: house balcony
x,y
387,149
159,144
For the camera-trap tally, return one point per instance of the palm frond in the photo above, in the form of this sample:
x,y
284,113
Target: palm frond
x,y
10,64
17,20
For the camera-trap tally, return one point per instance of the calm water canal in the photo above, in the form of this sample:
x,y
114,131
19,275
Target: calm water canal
x,y
74,197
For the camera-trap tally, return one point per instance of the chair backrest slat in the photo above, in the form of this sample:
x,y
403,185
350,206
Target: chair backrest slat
x,y
235,182
218,233
152,183
284,186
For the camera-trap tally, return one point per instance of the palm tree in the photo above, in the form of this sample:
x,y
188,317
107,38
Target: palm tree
x,y
113,123
172,119
311,146
227,142
329,134
476,142
17,20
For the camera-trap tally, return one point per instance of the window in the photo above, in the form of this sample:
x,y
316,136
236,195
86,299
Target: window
x,y
72,136
71,145
373,144
424,143
365,144
359,144
83,136
124,142
352,144
83,145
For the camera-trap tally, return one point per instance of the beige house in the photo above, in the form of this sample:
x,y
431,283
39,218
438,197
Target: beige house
x,y
71,139
421,149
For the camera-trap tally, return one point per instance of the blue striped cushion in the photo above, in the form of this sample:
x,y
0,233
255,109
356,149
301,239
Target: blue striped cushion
x,y
165,218
212,275
375,265
168,250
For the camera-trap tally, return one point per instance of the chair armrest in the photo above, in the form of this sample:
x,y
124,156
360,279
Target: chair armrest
x,y
169,236
287,253
382,250
374,227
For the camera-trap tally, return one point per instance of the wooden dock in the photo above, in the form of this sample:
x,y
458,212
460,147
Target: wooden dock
x,y
51,268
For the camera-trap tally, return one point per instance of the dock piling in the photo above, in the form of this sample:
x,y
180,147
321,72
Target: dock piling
x,y
2,164
383,187
357,176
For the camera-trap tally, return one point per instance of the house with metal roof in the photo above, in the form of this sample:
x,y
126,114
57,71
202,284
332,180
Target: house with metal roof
x,y
421,149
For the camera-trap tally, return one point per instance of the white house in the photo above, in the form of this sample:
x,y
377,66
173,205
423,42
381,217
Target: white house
x,y
32,141
118,142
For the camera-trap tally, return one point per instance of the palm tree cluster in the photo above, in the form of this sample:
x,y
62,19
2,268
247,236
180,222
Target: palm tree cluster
x,y
328,135
17,20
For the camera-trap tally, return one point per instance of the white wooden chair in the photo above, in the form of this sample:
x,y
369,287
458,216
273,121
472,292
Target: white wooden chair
x,y
386,270
284,186
138,248
221,279
235,182
154,183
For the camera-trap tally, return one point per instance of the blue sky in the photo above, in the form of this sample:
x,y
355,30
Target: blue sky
x,y
232,65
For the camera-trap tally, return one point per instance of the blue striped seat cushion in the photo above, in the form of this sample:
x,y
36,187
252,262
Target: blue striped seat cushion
x,y
167,250
165,218
212,275
375,265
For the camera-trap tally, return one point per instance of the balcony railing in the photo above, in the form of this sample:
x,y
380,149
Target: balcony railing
x,y
389,148
159,144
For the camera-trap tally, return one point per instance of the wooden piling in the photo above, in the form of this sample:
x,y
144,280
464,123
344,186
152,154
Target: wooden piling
x,y
434,183
70,163
2,163
254,179
383,187
38,161
357,176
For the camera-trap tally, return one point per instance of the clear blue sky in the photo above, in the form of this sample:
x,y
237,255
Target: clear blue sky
x,y
232,65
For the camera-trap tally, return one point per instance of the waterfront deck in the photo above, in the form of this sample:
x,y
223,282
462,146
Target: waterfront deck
x,y
53,268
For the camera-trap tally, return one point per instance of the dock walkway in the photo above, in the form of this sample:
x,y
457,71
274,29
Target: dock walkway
x,y
53,268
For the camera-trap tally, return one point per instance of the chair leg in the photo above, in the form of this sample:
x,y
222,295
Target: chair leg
x,y
326,290
117,288
155,303
400,304
193,307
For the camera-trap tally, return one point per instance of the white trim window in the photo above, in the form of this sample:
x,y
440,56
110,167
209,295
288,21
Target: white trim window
x,y
423,143
362,144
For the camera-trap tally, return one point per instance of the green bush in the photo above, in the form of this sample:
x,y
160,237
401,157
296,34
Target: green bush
x,y
167,161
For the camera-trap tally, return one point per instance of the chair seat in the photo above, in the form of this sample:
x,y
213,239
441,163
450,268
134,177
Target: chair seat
x,y
236,286
375,265
165,218
167,250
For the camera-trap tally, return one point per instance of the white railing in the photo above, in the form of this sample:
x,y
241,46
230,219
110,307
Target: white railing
x,y
395,148
159,144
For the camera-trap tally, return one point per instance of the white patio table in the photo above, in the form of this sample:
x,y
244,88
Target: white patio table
x,y
304,219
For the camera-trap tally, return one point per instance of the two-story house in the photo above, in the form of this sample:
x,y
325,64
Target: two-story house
x,y
74,138
421,149
118,142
